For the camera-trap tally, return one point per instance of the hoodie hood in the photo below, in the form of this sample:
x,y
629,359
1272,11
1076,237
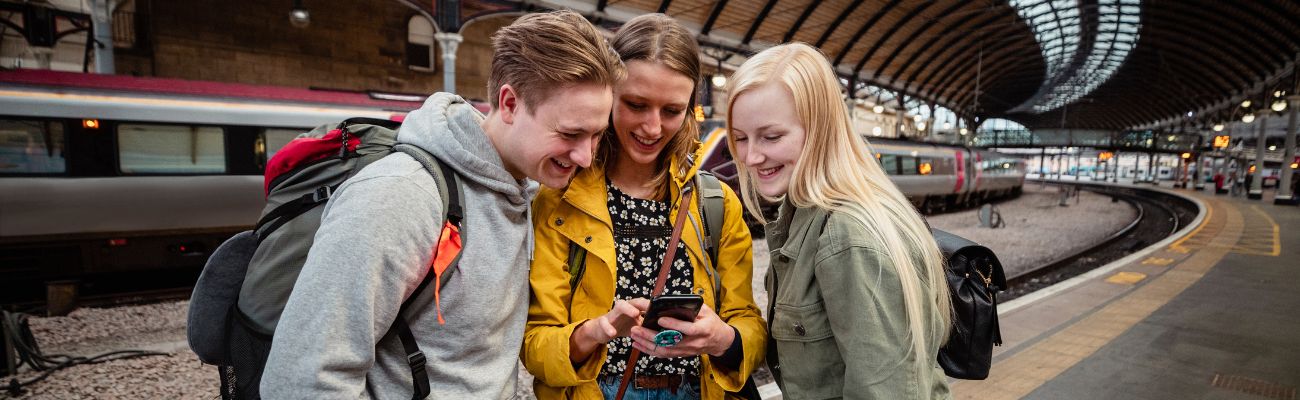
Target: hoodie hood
x,y
451,129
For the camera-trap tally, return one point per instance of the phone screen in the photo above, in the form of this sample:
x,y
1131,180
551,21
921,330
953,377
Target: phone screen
x,y
680,306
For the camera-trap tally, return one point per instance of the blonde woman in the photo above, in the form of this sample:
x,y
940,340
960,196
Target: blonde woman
x,y
859,302
583,326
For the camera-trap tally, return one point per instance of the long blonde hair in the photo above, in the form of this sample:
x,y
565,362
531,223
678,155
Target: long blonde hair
x,y
660,39
836,172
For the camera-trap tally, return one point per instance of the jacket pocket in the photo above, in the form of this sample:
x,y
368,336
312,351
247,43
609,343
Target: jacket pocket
x,y
801,323
810,365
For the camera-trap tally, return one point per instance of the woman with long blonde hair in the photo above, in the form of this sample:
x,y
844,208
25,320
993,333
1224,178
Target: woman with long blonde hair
x,y
859,303
615,219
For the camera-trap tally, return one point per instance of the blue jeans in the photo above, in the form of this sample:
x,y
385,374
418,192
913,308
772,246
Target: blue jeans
x,y
687,391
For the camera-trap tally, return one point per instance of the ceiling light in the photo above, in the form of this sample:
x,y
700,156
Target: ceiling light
x,y
878,109
964,131
875,131
920,126
1272,148
1279,105
299,17
1218,127
1248,118
1245,103
719,80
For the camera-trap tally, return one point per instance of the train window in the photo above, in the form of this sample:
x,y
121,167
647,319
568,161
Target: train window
x,y
29,147
890,163
908,165
275,139
171,149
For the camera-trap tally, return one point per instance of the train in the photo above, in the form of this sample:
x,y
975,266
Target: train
x,y
110,176
934,177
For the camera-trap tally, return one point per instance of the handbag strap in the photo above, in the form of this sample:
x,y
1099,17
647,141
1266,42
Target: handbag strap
x,y
669,255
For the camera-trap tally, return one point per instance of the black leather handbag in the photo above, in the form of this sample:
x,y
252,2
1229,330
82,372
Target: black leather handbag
x,y
974,279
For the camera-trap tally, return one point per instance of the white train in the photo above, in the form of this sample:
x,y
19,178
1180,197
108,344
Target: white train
x,y
104,175
935,177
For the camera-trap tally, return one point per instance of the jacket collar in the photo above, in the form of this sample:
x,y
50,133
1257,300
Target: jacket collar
x,y
793,226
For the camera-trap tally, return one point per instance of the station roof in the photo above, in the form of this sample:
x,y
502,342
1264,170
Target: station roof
x,y
1081,64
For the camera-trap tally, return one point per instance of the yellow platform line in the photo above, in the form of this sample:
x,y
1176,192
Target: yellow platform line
x,y
1277,232
1209,213
1023,372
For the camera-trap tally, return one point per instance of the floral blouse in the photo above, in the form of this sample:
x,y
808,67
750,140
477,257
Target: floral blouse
x,y
641,232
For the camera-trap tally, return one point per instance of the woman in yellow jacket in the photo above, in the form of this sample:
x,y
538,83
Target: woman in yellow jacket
x,y
582,328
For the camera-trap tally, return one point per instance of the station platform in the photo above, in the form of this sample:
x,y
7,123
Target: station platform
x,y
1210,313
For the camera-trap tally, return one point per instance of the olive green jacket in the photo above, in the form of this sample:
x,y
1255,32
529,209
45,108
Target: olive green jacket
x,y
837,323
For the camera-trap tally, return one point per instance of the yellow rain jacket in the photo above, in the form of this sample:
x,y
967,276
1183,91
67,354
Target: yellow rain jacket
x,y
579,214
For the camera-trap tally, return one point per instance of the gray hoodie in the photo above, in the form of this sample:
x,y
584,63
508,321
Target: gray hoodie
x,y
374,246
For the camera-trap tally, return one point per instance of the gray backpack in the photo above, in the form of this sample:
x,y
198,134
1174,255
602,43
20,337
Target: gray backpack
x,y
246,282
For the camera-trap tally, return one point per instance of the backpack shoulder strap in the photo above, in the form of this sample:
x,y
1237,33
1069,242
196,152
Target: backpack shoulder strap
x,y
712,207
449,191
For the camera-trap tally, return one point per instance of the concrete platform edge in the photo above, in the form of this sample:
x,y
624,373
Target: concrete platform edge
x,y
1068,284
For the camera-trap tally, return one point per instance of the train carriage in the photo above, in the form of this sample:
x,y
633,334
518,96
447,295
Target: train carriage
x,y
118,177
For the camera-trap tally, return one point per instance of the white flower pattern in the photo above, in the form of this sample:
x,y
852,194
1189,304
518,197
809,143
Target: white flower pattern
x,y
639,256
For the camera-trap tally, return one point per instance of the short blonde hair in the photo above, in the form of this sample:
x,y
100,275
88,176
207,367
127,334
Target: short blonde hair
x,y
835,171
542,52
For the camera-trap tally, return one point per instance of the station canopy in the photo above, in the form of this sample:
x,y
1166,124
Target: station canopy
x,y
1100,65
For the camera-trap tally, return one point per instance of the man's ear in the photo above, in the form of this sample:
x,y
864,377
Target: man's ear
x,y
509,103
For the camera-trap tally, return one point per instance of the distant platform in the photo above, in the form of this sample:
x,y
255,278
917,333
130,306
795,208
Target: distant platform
x,y
1208,314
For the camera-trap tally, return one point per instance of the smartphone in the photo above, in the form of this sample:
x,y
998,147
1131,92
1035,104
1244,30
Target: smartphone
x,y
680,306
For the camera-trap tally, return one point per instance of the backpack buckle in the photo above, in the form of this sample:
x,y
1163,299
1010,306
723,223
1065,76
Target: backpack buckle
x,y
416,361
321,194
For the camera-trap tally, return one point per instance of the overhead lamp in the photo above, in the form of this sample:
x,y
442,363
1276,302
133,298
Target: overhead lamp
x,y
878,109
1189,114
1245,103
917,118
1218,127
299,17
1248,118
1172,138
920,126
1278,93
1272,148
718,79
1279,105
964,131
947,125
875,131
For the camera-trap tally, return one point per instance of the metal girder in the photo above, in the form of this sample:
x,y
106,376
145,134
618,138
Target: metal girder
x,y
1276,51
994,70
953,31
812,6
713,16
862,31
762,16
838,20
888,34
663,6
999,44
918,31
946,48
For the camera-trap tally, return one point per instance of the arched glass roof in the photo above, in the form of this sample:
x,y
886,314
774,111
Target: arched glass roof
x,y
1082,50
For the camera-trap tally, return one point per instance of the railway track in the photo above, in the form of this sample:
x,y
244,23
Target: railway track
x,y
1159,215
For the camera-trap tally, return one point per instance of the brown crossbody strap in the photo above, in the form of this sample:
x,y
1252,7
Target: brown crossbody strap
x,y
669,255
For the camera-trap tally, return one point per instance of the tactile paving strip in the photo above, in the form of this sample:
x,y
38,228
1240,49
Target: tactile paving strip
x,y
1253,386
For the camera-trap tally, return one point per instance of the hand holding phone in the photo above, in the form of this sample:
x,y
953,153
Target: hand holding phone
x,y
680,306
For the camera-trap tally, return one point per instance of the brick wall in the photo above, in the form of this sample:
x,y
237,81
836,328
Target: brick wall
x,y
350,44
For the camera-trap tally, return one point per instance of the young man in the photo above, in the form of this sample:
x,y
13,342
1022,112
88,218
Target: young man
x,y
550,81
